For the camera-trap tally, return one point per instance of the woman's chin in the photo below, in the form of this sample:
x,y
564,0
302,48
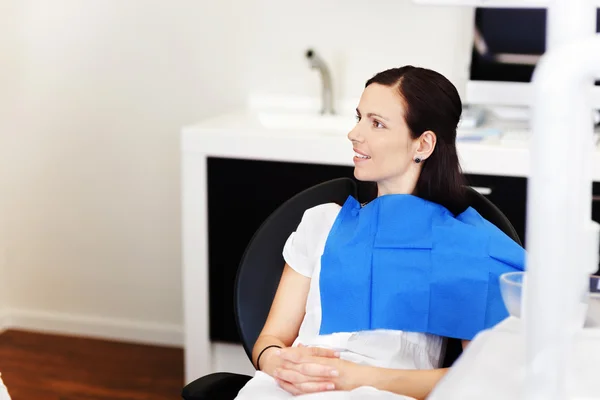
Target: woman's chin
x,y
362,175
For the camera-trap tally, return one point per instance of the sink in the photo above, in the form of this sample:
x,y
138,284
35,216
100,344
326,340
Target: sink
x,y
328,124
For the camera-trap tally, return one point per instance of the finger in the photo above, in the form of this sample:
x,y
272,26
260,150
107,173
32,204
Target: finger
x,y
304,354
288,387
307,355
290,375
323,352
306,387
313,370
312,387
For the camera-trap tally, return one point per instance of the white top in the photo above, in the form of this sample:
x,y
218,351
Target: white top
x,y
382,348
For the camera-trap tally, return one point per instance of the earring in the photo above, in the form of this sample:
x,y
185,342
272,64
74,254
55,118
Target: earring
x,y
417,160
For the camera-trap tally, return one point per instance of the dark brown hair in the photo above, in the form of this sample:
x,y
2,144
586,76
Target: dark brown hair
x,y
432,104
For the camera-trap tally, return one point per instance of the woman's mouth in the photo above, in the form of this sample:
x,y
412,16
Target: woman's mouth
x,y
361,156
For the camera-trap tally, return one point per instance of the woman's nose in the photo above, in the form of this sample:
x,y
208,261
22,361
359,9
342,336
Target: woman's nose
x,y
354,135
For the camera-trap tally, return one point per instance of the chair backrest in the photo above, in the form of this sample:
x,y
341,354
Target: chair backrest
x,y
262,263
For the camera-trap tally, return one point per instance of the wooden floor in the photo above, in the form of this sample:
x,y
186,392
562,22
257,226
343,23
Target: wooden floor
x,y
50,367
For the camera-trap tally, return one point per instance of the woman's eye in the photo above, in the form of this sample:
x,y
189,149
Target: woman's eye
x,y
357,118
377,124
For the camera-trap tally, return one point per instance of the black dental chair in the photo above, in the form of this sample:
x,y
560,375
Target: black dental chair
x,y
262,265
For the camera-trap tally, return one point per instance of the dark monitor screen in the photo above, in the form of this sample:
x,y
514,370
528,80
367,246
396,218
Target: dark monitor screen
x,y
507,42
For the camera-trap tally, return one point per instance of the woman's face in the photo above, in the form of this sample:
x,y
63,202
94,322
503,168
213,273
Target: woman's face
x,y
384,149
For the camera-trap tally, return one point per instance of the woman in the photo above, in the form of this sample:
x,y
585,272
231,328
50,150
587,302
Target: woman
x,y
369,291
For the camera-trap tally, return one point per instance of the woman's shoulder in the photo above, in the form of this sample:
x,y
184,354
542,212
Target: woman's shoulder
x,y
305,244
322,210
321,216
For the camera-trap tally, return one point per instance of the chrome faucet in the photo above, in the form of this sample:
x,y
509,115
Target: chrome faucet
x,y
316,62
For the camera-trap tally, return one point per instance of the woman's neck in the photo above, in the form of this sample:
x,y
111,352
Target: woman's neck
x,y
384,188
406,183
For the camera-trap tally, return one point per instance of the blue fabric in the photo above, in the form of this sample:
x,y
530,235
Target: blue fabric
x,y
405,263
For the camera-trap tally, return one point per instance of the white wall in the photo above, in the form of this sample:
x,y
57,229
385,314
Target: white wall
x,y
97,92
9,75
358,38
91,188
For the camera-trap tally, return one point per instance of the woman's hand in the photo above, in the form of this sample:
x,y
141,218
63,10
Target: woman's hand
x,y
299,373
308,372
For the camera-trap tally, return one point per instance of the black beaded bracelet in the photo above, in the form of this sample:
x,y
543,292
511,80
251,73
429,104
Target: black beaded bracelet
x,y
261,353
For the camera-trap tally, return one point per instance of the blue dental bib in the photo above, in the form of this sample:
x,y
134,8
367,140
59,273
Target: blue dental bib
x,y
404,263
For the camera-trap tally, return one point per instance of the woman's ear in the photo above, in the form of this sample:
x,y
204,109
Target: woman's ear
x,y
426,145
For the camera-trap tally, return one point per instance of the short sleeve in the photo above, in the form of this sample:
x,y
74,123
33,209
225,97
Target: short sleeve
x,y
305,245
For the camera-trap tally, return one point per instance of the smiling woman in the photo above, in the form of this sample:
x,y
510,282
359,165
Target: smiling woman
x,y
369,291
410,112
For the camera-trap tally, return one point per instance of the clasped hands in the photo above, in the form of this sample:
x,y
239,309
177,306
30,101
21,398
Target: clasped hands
x,y
304,370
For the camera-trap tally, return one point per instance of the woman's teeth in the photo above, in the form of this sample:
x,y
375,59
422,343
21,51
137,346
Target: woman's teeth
x,y
361,156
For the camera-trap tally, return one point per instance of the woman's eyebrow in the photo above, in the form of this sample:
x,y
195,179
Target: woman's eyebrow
x,y
377,115
370,115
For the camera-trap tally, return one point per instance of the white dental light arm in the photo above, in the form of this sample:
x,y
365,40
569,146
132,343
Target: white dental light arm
x,y
562,250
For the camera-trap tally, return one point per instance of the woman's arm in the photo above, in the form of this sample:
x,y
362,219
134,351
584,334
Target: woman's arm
x,y
281,329
349,376
414,383
284,319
